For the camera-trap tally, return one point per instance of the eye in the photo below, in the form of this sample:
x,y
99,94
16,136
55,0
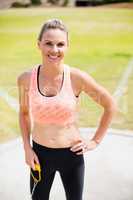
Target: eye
x,y
61,44
49,43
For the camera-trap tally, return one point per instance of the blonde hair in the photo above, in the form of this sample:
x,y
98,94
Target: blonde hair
x,y
52,24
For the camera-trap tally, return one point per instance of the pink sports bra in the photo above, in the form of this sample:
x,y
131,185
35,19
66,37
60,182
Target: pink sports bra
x,y
60,109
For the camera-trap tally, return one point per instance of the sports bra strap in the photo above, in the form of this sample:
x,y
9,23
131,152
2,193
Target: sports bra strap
x,y
33,78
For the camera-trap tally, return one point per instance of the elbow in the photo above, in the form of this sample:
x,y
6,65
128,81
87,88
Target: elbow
x,y
112,107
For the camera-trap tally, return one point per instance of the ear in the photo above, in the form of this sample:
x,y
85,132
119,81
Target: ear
x,y
38,44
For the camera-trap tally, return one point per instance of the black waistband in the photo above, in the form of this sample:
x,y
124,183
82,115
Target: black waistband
x,y
49,148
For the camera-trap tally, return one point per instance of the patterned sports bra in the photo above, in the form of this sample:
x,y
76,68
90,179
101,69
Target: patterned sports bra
x,y
60,109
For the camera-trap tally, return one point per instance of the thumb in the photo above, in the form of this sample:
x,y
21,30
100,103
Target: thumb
x,y
36,160
33,165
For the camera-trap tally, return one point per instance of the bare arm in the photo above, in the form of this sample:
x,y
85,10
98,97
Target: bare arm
x,y
101,96
24,120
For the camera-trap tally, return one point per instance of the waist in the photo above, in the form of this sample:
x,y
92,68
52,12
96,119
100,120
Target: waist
x,y
56,136
48,149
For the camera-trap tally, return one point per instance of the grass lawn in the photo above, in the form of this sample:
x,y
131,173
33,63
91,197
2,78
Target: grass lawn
x,y
101,43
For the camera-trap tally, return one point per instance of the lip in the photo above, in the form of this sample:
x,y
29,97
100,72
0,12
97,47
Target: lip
x,y
52,57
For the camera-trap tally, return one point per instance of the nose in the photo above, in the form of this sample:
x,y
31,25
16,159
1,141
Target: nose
x,y
55,49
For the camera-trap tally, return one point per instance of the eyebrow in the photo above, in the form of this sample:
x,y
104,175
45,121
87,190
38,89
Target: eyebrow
x,y
52,41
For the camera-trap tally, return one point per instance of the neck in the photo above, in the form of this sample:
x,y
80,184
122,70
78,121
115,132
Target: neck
x,y
52,70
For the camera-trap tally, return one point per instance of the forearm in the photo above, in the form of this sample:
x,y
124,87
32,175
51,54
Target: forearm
x,y
25,129
104,123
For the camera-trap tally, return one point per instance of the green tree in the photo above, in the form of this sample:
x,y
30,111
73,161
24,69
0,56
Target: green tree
x,y
59,2
35,2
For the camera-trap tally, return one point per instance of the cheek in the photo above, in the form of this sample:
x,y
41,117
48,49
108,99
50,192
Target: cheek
x,y
44,49
63,50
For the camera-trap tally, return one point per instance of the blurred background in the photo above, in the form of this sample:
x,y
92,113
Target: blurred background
x,y
101,43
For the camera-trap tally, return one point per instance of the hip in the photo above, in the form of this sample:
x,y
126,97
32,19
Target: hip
x,y
57,157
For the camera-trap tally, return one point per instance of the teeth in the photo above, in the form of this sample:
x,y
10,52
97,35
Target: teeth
x,y
53,57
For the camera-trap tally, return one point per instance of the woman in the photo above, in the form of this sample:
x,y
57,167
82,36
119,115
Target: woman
x,y
48,96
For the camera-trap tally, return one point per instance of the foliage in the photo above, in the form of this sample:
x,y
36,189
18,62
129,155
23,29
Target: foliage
x,y
100,2
59,2
20,5
35,2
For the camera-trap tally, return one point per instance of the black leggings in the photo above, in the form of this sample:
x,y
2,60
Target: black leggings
x,y
67,163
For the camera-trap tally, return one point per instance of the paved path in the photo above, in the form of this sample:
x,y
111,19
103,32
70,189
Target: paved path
x,y
108,175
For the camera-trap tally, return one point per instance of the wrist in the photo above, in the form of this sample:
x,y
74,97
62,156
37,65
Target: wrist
x,y
96,141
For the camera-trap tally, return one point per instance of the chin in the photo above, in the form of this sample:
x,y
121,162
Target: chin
x,y
55,61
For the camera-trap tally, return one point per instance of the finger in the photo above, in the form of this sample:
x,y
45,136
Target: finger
x,y
78,149
77,146
82,146
84,149
37,160
33,165
80,153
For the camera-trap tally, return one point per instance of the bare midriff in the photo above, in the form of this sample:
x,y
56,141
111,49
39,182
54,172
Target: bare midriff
x,y
55,136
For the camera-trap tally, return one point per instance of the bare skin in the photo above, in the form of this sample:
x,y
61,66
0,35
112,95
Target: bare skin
x,y
53,47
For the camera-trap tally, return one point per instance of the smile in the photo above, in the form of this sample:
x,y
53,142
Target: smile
x,y
53,57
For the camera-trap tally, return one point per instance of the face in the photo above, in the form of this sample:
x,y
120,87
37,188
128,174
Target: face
x,y
53,45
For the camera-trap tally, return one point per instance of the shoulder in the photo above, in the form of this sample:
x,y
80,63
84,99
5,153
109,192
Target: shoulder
x,y
84,80
24,78
80,75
